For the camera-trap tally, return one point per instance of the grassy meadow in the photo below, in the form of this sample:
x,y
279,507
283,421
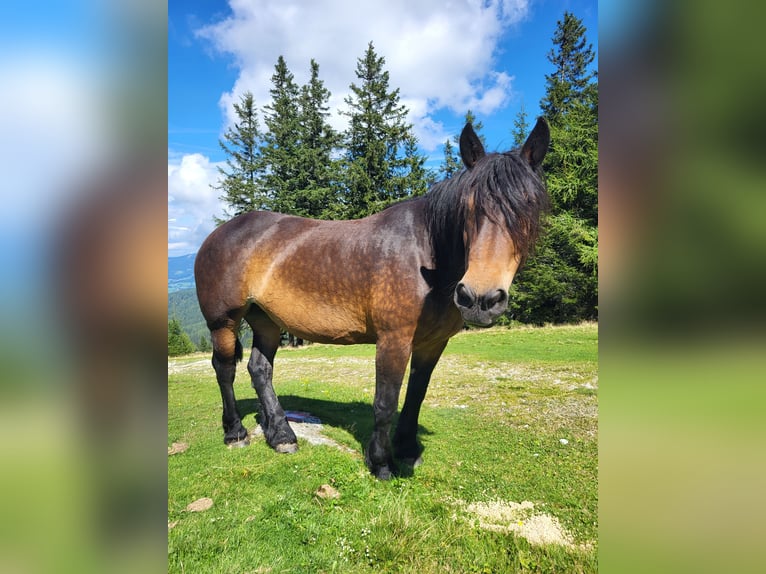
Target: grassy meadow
x,y
508,482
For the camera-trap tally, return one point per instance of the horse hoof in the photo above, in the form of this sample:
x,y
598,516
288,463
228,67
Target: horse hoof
x,y
287,448
239,443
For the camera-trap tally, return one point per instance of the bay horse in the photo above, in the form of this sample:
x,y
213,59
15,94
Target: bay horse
x,y
405,279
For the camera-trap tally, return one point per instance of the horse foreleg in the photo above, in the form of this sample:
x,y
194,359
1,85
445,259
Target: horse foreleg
x,y
390,363
424,360
276,429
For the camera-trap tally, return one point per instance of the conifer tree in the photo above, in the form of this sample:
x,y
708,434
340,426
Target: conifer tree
x,y
452,163
178,341
570,80
520,127
381,162
412,178
571,106
279,151
560,283
241,183
317,169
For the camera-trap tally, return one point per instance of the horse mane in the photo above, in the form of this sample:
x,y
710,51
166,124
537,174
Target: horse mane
x,y
502,187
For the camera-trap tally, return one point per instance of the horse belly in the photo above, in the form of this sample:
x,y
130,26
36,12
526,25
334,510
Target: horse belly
x,y
316,320
321,281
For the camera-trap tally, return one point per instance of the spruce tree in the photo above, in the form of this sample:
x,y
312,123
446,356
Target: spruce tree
x,y
520,127
452,163
178,341
413,179
571,106
570,80
572,165
317,169
560,283
381,162
241,184
279,151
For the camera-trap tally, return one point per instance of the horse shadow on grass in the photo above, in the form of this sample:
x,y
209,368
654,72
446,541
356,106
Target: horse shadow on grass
x,y
355,417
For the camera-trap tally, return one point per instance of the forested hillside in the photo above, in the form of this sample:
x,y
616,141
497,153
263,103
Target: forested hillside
x,y
183,306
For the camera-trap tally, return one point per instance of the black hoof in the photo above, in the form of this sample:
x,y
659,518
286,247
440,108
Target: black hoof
x,y
281,438
383,471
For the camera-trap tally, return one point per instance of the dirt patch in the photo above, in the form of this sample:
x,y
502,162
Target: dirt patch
x,y
175,366
177,448
200,505
327,491
520,519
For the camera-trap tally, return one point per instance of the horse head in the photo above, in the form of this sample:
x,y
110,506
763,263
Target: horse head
x,y
501,220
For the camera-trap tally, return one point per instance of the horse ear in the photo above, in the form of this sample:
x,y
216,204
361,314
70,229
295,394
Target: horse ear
x,y
471,149
536,146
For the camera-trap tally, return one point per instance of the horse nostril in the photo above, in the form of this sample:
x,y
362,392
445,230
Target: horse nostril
x,y
464,296
497,298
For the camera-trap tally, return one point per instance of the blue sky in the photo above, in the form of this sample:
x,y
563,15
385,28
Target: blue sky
x,y
445,56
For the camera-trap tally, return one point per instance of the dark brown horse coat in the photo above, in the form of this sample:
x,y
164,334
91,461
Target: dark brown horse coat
x,y
405,279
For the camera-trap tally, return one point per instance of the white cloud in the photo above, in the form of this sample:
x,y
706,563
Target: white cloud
x,y
52,133
439,53
192,203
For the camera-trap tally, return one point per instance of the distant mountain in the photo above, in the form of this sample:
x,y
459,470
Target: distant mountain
x,y
181,272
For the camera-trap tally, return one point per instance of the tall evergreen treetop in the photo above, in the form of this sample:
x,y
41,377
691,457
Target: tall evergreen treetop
x,y
560,282
520,127
240,183
382,164
452,163
570,79
318,141
281,140
571,106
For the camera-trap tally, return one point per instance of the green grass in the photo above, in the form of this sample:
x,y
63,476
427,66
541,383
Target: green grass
x,y
499,403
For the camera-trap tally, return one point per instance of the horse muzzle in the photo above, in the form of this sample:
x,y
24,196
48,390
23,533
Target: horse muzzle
x,y
480,310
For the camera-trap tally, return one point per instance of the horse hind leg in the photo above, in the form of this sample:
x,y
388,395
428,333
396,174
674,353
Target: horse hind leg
x,y
266,335
227,350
